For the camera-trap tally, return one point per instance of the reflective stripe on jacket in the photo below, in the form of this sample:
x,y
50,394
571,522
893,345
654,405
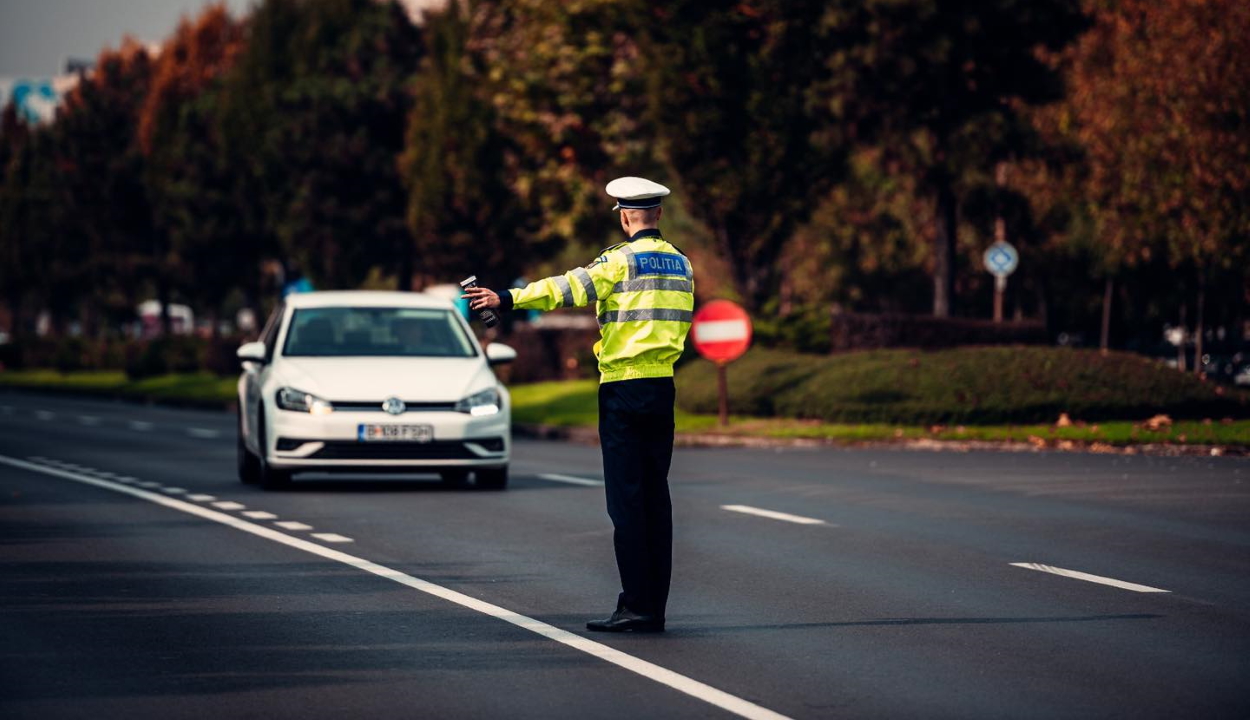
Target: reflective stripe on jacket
x,y
643,292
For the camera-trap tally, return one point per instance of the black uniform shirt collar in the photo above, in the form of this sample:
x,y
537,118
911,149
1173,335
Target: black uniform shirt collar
x,y
646,232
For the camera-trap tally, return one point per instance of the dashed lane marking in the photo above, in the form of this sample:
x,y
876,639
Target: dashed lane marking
x,y
174,491
293,525
772,514
229,505
203,433
260,515
1089,578
569,479
90,420
651,671
332,537
45,415
147,484
140,425
202,498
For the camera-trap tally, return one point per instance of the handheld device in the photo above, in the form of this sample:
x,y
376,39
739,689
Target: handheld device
x,y
486,315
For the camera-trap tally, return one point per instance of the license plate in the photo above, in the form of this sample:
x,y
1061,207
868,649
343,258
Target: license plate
x,y
395,433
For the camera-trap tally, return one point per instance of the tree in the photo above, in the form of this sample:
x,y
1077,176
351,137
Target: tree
x,y
938,84
730,87
312,115
100,184
567,84
462,212
201,239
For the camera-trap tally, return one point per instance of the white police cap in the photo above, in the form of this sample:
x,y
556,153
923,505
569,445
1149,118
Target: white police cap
x,y
635,193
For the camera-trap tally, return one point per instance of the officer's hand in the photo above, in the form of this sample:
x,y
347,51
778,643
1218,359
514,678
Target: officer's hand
x,y
480,298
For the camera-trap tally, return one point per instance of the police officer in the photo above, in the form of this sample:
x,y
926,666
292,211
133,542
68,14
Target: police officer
x,y
643,292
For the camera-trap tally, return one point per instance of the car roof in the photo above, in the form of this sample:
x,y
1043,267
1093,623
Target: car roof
x,y
365,298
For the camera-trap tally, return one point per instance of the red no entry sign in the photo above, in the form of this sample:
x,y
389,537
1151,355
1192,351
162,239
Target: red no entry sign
x,y
721,331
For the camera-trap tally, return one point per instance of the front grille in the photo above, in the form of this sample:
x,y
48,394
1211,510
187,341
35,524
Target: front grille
x,y
437,450
376,406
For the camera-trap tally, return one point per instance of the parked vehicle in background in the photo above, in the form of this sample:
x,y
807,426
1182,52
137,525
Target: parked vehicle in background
x,y
372,382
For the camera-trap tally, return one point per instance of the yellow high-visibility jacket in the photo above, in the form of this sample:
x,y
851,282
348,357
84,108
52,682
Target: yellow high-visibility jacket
x,y
643,292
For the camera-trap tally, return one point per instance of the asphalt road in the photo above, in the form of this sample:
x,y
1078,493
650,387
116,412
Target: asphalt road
x,y
139,578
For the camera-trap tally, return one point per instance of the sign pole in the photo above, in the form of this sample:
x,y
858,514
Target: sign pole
x,y
722,389
1000,287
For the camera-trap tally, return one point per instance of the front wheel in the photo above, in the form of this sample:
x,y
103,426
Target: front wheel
x,y
249,465
493,479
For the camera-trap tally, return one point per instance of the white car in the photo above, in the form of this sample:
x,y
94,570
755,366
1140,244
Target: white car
x,y
372,382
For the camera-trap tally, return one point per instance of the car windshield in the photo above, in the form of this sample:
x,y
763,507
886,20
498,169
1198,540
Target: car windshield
x,y
376,332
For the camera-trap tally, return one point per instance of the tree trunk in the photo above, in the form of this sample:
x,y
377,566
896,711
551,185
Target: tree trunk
x,y
1180,348
162,296
1199,325
1104,340
944,250
407,248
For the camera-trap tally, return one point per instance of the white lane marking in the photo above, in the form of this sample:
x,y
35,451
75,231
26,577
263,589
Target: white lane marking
x,y
140,425
125,479
1091,578
554,477
147,484
174,491
293,525
229,505
651,671
202,498
44,414
260,515
332,537
203,433
773,514
720,331
88,419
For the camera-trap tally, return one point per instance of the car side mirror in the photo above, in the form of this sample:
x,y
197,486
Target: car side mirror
x,y
252,352
499,354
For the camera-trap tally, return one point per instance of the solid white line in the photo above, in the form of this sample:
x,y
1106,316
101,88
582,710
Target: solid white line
x,y
772,514
651,671
140,425
203,433
202,498
229,505
260,515
293,525
1091,578
332,537
554,477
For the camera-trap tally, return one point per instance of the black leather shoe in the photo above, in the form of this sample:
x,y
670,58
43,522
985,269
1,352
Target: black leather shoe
x,y
627,621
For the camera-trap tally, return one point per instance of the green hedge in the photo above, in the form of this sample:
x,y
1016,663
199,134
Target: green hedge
x,y
975,385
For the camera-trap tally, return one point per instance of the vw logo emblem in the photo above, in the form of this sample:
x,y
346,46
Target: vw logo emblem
x,y
394,406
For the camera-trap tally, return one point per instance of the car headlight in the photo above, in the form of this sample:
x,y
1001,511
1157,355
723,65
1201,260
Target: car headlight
x,y
483,403
300,401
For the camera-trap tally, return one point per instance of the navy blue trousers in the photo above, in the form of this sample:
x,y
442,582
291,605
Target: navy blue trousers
x,y
636,434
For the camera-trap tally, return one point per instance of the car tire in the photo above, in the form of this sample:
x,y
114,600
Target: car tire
x,y
270,477
493,478
249,465
454,478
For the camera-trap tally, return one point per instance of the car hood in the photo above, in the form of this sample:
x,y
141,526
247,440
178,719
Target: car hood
x,y
369,379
